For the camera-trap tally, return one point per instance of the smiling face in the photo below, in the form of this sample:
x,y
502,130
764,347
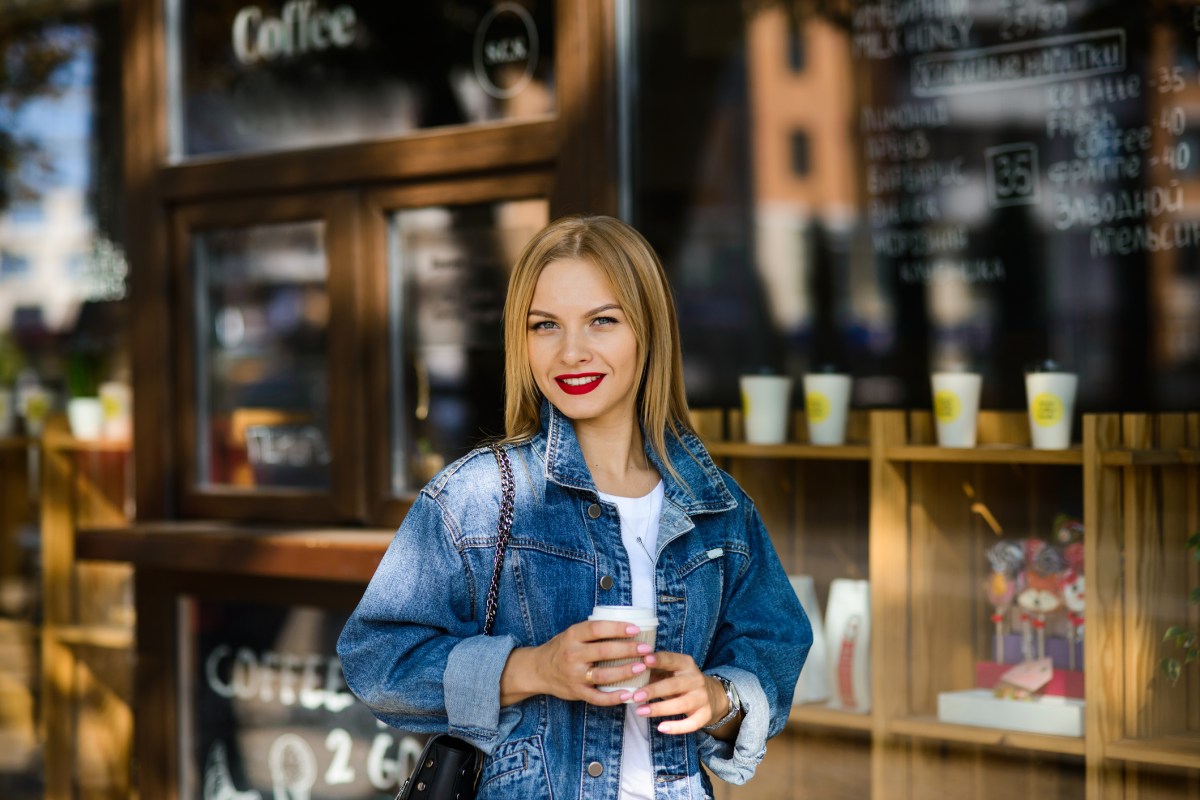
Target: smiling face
x,y
582,350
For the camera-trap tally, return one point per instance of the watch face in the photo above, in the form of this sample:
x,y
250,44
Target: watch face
x,y
735,699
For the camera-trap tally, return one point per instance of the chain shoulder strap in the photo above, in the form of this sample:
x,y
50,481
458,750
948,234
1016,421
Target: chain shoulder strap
x,y
503,533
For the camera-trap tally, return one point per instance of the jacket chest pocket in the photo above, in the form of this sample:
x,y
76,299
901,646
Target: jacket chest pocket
x,y
694,595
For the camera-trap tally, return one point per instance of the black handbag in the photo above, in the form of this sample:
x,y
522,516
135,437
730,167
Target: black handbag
x,y
449,767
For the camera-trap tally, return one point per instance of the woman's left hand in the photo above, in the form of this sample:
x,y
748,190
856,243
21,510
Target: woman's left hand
x,y
678,687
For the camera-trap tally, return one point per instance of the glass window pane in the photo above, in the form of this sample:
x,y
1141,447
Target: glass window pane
x,y
448,275
262,371
290,74
977,184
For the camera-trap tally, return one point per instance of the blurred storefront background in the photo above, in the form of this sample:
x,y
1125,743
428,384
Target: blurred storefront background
x,y
252,260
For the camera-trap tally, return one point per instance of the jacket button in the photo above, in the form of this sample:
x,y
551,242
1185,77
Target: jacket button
x,y
595,769
594,511
606,582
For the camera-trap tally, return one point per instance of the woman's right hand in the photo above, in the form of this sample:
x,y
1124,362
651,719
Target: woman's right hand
x,y
565,666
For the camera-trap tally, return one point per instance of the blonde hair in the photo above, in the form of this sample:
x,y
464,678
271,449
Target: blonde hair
x,y
640,283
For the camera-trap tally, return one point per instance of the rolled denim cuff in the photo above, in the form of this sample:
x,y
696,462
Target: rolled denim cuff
x,y
736,761
472,690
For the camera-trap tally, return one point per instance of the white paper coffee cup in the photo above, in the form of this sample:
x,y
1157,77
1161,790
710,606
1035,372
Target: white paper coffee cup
x,y
1051,397
645,619
956,407
826,401
766,406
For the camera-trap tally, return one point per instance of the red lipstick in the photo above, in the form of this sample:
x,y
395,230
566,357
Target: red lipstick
x,y
590,381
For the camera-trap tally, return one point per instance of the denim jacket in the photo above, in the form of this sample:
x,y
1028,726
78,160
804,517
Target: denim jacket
x,y
414,652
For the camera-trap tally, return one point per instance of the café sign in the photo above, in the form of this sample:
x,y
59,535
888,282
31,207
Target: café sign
x,y
301,27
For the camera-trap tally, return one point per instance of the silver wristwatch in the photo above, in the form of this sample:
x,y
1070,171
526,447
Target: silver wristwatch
x,y
735,703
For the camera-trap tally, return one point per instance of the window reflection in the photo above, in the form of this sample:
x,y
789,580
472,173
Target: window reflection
x,y
255,76
448,275
902,188
263,312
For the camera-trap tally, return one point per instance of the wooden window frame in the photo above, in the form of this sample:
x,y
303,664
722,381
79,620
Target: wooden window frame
x,y
575,147
386,507
345,498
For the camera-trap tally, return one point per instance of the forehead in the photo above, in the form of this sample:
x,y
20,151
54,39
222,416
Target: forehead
x,y
572,282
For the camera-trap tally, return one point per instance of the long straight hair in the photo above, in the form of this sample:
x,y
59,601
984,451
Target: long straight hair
x,y
637,277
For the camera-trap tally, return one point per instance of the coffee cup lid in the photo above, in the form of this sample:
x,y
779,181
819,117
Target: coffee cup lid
x,y
634,614
1045,365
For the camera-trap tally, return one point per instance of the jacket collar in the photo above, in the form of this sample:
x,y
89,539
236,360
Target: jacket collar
x,y
703,489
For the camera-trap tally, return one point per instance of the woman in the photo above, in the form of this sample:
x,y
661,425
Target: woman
x,y
617,503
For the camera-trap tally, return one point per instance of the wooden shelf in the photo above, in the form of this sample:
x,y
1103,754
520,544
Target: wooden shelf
x,y
821,715
1164,751
1150,458
931,728
789,450
111,637
984,454
15,442
58,440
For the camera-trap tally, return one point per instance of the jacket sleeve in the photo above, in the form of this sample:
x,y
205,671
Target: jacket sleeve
x,y
760,646
413,650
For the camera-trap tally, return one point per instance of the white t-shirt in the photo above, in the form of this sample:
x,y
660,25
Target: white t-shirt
x,y
639,534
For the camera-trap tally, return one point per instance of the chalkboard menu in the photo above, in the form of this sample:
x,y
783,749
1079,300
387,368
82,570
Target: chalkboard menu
x,y
901,186
265,713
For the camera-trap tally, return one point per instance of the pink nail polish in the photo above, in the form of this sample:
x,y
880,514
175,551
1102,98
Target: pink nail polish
x,y
644,649
632,630
664,728
626,697
638,668
643,711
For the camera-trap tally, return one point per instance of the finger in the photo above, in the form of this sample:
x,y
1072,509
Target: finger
x,y
673,662
666,685
616,649
682,704
692,722
620,673
607,629
599,697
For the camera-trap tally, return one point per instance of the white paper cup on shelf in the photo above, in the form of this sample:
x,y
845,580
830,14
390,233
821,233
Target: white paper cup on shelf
x,y
33,404
956,407
766,406
1051,397
826,403
85,415
645,619
8,414
116,401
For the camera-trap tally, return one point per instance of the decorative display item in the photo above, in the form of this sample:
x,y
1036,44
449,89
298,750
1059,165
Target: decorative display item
x,y
848,640
813,684
1006,558
1033,682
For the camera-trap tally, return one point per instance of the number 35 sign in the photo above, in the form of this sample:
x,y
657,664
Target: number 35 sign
x,y
266,715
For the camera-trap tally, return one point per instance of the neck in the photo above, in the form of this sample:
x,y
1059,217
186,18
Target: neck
x,y
616,457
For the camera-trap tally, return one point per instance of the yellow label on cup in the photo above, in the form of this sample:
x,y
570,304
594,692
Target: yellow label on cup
x,y
817,406
745,404
111,406
946,406
37,407
1046,409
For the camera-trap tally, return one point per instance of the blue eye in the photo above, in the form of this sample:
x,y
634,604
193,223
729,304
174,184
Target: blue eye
x,y
543,325
605,321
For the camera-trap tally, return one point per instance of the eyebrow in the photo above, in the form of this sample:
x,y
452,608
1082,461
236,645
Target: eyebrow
x,y
533,312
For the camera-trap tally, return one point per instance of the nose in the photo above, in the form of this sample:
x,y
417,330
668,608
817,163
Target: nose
x,y
575,348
